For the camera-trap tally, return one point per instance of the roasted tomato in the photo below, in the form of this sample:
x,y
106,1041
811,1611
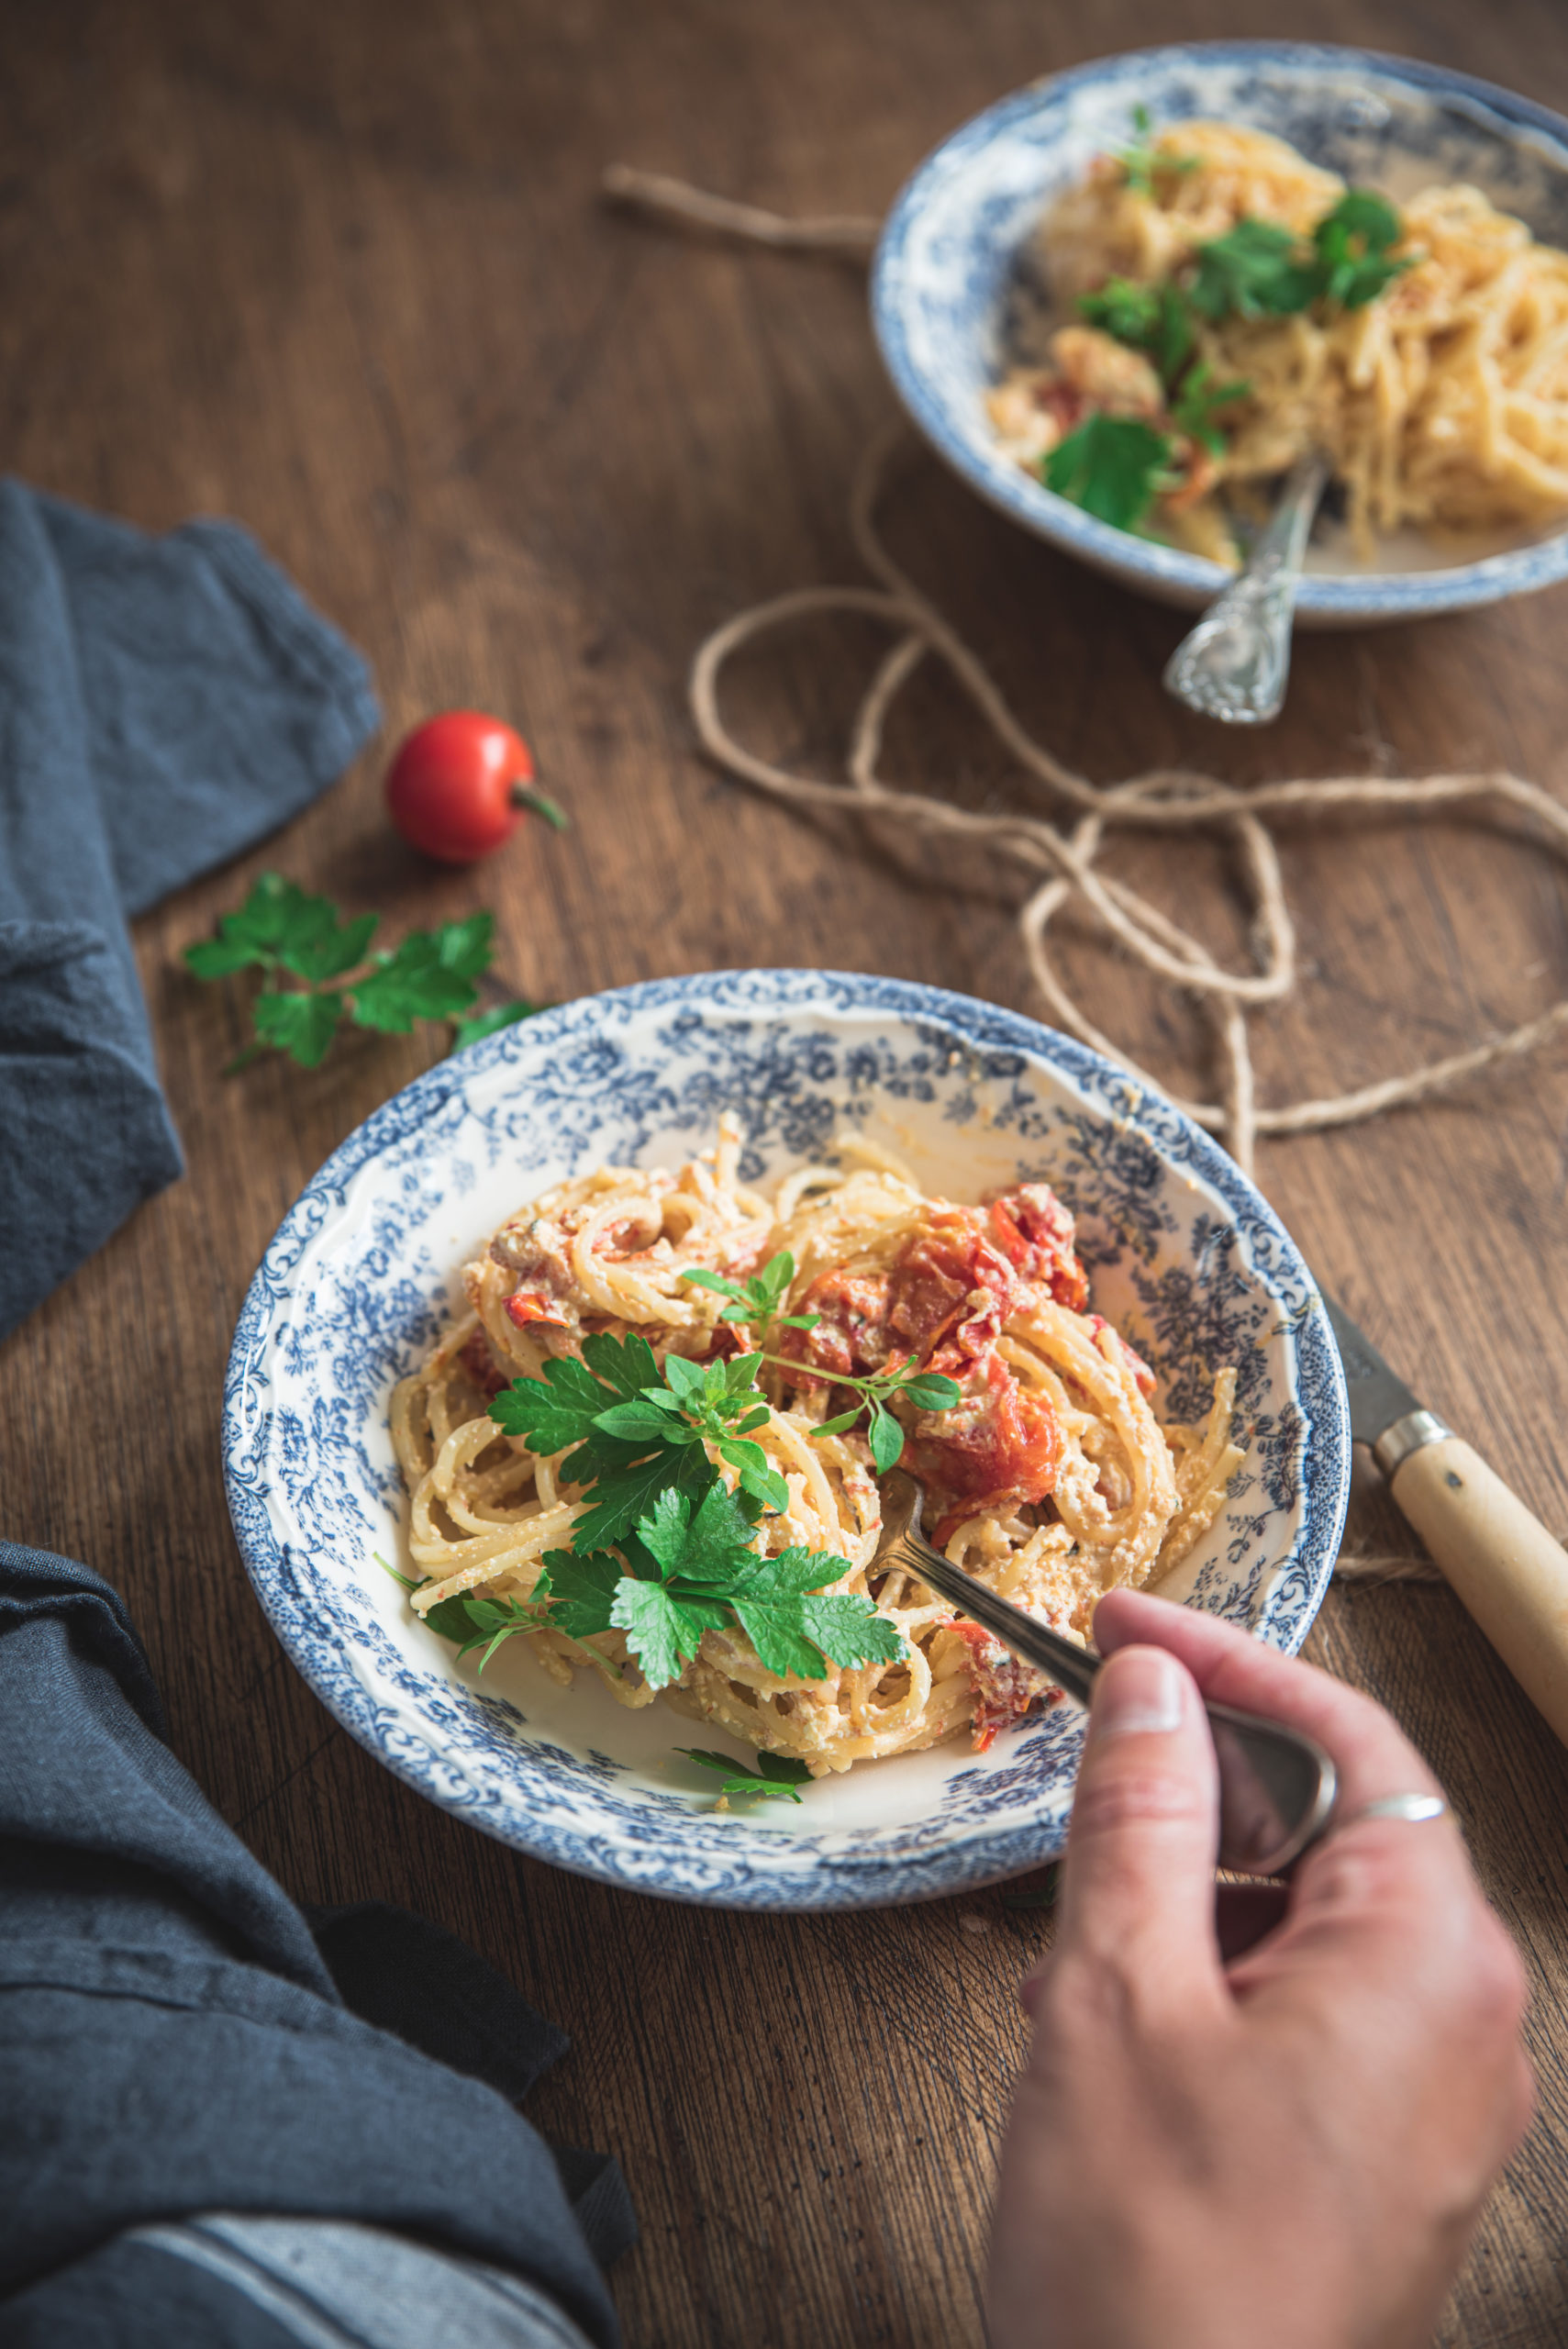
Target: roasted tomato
x,y
1003,1443
1035,1233
1006,1689
528,1305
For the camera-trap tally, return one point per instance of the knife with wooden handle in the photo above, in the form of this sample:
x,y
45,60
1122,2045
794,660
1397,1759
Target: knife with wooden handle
x,y
1499,1560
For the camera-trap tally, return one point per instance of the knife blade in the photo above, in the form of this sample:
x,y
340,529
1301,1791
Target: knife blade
x,y
1498,1558
1385,1415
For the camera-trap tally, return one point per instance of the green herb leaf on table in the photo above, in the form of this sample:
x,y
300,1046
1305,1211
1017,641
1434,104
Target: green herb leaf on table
x,y
430,976
301,1025
287,934
778,1776
1112,466
280,927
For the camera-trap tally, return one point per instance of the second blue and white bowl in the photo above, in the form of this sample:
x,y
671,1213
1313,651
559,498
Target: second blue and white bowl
x,y
950,251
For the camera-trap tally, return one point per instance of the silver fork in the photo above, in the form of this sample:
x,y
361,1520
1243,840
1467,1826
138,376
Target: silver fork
x,y
1276,1787
1236,663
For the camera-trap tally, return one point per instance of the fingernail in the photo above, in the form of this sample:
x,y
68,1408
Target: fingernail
x,y
1139,1691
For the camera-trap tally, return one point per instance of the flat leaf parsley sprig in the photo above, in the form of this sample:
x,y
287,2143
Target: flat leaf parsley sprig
x,y
1116,466
664,1551
776,1774
288,935
757,1303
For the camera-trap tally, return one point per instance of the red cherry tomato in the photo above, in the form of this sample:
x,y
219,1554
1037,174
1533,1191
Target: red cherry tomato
x,y
460,784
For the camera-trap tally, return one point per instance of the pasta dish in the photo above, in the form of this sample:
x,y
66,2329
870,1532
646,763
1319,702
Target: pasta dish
x,y
1218,307
789,1345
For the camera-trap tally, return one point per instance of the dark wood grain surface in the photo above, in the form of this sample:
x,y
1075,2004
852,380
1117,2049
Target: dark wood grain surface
x,y
339,271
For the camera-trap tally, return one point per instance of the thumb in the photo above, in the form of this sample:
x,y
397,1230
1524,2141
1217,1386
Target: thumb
x,y
1138,1884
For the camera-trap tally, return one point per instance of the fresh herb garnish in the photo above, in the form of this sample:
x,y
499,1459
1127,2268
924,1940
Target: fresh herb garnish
x,y
1144,163
664,1551
1352,242
776,1775
758,1300
758,1304
1112,466
1198,402
475,1622
928,1390
286,933
1155,319
1255,271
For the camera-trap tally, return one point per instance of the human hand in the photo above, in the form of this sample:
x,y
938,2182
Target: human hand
x,y
1292,2148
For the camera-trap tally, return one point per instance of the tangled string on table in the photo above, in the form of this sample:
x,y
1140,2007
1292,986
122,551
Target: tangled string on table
x,y
1058,852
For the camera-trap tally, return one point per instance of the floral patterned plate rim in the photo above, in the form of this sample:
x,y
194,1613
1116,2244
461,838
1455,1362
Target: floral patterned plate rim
x,y
1182,1254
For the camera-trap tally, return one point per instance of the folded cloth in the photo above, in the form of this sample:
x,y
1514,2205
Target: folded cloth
x,y
201,2097
164,704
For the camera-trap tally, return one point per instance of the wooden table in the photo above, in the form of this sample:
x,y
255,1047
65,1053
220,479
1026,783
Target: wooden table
x,y
339,271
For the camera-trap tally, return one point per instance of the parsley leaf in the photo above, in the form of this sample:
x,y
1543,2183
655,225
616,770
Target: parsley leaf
x,y
580,1590
626,1364
280,929
430,975
1255,271
451,1618
1144,163
623,1494
710,1546
846,1627
301,1025
1112,466
551,1412
664,1550
663,1632
1198,401
1351,241
757,1301
1155,319
777,1775
495,1620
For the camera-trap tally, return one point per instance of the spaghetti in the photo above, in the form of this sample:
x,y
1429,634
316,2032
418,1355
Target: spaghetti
x,y
1442,401
1051,1479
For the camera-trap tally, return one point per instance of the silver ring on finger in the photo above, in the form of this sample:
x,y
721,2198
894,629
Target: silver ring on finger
x,y
1415,1810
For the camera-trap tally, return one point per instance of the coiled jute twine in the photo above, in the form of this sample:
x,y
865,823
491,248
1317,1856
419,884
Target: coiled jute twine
x,y
1057,853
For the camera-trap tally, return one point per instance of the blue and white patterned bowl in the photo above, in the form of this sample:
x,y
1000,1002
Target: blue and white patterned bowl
x,y
1182,1254
950,249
